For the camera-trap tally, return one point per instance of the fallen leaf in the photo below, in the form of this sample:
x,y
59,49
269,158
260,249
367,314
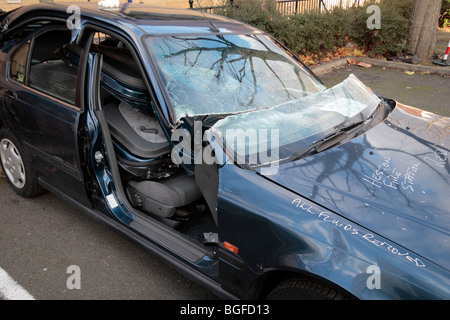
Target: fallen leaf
x,y
358,53
364,65
410,73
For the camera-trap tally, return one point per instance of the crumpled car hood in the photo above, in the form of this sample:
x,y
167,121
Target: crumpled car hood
x,y
392,180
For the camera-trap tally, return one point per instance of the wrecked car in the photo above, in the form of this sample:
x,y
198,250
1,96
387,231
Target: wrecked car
x,y
208,142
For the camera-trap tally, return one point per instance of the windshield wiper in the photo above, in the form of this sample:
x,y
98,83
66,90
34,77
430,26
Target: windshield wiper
x,y
318,146
341,133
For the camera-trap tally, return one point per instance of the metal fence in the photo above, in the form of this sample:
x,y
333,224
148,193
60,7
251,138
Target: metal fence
x,y
290,7
213,9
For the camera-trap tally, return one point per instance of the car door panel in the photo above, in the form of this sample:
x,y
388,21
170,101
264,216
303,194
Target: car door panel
x,y
46,126
48,130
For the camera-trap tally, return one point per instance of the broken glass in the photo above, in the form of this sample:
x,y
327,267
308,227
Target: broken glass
x,y
228,74
290,126
272,106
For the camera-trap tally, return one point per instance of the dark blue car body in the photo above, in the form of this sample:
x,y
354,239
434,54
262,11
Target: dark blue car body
x,y
367,218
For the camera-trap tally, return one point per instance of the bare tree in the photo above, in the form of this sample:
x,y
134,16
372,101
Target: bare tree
x,y
422,32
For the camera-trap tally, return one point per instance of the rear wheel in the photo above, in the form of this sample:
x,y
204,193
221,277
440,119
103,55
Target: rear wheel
x,y
18,171
304,289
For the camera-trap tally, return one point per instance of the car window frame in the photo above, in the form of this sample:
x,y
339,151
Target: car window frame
x,y
87,35
9,66
54,24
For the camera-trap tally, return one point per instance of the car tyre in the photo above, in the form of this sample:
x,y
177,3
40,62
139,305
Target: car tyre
x,y
304,289
16,167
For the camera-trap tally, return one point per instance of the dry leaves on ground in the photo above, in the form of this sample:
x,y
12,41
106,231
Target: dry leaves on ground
x,y
336,53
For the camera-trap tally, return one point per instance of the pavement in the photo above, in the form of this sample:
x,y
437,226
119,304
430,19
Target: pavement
x,y
40,238
424,85
421,89
442,40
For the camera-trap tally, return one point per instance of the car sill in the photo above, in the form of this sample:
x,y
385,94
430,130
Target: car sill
x,y
175,243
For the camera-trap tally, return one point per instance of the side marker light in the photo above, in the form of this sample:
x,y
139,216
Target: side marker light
x,y
230,247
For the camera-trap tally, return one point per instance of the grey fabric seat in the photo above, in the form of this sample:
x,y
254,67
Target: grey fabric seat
x,y
139,133
156,197
163,198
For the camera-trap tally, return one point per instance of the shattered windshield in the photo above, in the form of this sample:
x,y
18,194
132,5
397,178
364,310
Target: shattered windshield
x,y
228,74
276,133
271,106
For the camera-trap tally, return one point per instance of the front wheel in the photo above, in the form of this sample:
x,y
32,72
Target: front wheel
x,y
304,289
18,171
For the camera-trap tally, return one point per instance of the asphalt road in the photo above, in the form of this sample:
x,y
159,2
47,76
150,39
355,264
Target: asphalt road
x,y
41,237
424,91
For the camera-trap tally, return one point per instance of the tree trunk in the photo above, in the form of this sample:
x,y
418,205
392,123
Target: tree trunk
x,y
424,22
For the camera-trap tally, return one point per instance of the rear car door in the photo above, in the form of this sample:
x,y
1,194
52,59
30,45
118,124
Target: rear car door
x,y
40,95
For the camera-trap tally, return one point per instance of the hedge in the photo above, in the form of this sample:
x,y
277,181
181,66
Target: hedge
x,y
315,33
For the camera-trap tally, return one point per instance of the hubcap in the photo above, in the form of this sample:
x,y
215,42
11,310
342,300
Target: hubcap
x,y
12,163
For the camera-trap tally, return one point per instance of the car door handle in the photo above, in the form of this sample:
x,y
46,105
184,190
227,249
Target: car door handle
x,y
10,95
